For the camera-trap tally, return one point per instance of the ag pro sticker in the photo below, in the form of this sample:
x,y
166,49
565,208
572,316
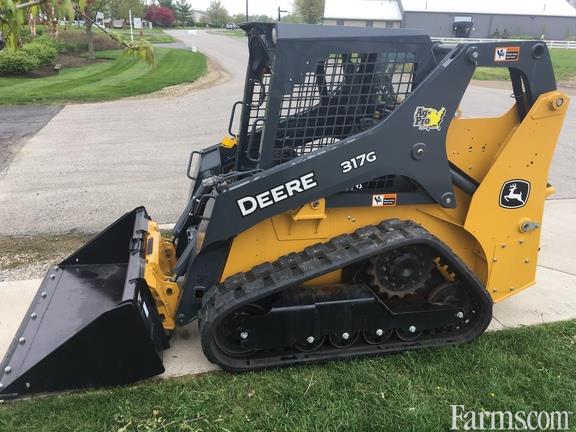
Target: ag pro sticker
x,y
426,118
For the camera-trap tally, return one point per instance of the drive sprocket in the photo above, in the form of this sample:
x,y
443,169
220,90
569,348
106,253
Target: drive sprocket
x,y
400,272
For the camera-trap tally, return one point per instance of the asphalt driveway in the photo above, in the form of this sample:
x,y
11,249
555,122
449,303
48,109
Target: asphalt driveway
x,y
18,123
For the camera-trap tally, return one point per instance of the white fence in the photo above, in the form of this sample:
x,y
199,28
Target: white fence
x,y
550,43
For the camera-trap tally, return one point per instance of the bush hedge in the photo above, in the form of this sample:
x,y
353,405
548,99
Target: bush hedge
x,y
44,54
73,41
41,52
46,40
16,62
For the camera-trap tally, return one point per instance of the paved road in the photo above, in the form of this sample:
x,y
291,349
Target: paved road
x,y
93,162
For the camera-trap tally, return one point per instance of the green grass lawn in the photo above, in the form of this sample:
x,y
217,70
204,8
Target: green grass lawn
x,y
151,35
524,369
106,80
563,61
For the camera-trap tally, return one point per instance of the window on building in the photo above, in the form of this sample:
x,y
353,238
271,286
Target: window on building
x,y
369,23
463,26
462,19
339,22
389,24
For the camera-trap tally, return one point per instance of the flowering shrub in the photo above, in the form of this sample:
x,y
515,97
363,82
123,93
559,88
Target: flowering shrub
x,y
160,15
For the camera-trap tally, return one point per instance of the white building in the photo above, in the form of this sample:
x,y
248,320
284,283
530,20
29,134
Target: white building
x,y
550,19
363,13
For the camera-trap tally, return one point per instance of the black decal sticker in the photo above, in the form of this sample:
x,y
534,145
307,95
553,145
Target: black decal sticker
x,y
514,194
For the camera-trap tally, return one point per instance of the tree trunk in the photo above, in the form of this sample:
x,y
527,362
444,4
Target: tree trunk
x,y
90,36
32,24
53,26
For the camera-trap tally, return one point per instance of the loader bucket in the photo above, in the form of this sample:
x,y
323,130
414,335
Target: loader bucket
x,y
93,321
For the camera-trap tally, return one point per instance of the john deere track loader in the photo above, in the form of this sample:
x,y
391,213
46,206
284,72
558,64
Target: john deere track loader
x,y
354,212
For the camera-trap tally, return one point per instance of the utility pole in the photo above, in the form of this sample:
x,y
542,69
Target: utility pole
x,y
131,31
280,11
246,10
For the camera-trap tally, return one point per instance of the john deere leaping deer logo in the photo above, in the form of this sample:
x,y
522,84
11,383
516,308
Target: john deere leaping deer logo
x,y
514,194
426,119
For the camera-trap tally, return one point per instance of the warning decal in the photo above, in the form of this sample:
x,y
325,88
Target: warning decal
x,y
384,200
506,54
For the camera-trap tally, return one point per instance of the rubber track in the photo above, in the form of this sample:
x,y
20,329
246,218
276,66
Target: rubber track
x,y
295,268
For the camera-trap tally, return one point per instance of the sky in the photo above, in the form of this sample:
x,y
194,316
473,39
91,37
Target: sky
x,y
256,7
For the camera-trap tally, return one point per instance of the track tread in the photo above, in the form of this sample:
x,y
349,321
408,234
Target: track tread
x,y
295,268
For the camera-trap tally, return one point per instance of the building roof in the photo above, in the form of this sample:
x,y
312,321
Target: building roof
x,y
501,7
297,32
379,10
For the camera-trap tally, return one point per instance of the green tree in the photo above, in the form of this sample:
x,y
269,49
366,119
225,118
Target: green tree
x,y
12,13
167,3
89,11
119,8
241,18
311,11
238,18
184,13
10,23
292,18
217,14
11,20
260,18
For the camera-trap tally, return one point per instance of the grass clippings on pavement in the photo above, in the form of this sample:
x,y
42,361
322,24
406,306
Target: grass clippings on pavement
x,y
28,257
